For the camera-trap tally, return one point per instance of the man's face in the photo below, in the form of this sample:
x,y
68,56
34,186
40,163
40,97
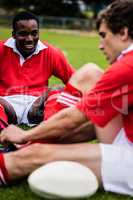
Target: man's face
x,y
110,44
26,35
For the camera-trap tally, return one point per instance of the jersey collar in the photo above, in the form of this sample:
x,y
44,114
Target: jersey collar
x,y
11,44
125,51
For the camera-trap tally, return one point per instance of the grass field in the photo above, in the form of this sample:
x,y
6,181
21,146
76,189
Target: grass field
x,y
79,49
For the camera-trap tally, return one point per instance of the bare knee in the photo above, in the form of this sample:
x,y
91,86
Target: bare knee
x,y
86,77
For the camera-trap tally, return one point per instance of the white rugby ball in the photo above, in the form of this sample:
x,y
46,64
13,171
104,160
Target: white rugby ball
x,y
63,179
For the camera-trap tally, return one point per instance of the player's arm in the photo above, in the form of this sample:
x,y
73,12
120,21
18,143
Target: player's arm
x,y
59,126
61,67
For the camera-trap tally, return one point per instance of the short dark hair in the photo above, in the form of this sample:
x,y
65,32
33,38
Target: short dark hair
x,y
24,15
118,15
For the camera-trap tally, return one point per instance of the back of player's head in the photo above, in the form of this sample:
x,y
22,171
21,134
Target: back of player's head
x,y
118,15
24,15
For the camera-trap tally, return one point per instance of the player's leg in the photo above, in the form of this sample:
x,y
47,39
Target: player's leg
x,y
7,112
86,77
102,159
116,170
59,98
20,163
3,118
4,177
35,113
82,80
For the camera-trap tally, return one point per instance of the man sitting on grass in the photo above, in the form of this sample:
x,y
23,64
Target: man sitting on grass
x,y
108,105
26,67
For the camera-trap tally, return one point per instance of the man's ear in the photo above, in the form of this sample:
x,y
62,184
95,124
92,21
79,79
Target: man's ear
x,y
124,33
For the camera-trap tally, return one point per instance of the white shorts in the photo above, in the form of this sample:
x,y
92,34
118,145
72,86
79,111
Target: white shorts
x,y
21,105
117,165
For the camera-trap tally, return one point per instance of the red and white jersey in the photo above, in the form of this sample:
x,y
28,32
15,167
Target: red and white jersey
x,y
30,76
112,95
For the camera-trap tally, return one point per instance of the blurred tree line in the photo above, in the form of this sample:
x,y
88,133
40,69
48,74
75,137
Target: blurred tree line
x,y
69,8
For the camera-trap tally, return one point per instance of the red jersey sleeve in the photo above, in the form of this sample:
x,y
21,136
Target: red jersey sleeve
x,y
61,68
113,93
1,48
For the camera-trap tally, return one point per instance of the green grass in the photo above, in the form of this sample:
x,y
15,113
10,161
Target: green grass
x,y
79,49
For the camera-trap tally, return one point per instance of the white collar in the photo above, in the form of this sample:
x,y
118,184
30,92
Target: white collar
x,y
125,51
11,43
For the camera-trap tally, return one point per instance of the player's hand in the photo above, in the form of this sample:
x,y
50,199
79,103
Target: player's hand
x,y
12,134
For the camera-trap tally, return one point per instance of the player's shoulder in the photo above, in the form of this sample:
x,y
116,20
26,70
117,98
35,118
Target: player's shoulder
x,y
2,47
128,58
125,63
2,43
